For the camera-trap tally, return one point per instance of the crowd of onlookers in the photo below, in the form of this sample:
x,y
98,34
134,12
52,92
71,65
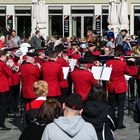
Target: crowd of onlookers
x,y
75,106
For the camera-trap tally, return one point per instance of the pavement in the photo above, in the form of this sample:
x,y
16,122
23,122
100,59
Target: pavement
x,y
129,133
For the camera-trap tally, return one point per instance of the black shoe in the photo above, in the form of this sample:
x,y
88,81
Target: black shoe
x,y
121,127
4,128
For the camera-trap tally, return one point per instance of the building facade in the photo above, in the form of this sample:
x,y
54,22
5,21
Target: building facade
x,y
65,17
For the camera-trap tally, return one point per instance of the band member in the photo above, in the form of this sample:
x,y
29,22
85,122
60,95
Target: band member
x,y
52,73
117,88
40,57
92,50
63,61
30,73
14,81
73,52
5,73
83,79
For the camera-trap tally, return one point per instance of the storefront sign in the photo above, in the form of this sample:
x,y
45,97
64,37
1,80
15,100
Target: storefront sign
x,y
66,26
98,24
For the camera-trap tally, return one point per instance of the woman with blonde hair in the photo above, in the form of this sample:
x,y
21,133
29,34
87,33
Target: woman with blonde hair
x,y
32,108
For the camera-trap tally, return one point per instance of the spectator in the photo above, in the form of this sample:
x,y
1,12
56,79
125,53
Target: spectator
x,y
111,43
9,42
110,33
16,38
49,110
120,36
32,108
126,46
108,51
71,126
98,112
91,37
36,40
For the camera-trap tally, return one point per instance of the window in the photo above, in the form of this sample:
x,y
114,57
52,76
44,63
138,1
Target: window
x,y
137,20
2,18
55,21
23,20
104,19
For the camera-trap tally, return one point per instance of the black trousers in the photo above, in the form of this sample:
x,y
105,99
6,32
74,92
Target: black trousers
x,y
138,87
14,97
3,107
132,88
118,101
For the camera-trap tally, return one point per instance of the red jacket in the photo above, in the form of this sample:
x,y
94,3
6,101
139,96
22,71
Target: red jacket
x,y
83,82
52,73
14,78
76,56
96,53
117,83
29,74
35,104
5,73
133,70
39,60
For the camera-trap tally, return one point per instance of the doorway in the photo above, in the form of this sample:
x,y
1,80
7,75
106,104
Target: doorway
x,y
80,25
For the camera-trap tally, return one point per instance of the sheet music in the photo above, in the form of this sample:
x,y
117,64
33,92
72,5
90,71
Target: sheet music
x,y
101,72
72,63
127,77
65,72
96,72
105,76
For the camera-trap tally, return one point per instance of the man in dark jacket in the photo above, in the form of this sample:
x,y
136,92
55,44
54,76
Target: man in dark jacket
x,y
36,40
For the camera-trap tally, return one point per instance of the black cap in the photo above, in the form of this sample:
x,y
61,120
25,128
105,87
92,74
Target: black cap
x,y
31,54
10,48
91,44
84,60
74,101
31,49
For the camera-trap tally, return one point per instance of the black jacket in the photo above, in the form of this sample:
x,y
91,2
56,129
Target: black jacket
x,y
99,114
34,130
136,114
